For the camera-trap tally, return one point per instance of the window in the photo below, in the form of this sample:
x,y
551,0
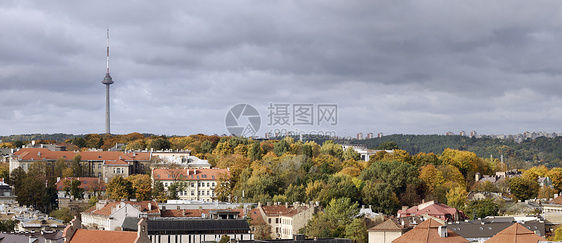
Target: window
x,y
198,184
207,184
99,166
99,174
192,193
192,184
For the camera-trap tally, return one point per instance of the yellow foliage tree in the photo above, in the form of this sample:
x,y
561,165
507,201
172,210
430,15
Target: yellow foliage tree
x,y
432,177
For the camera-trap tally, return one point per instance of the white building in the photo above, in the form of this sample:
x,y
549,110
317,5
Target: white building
x,y
111,215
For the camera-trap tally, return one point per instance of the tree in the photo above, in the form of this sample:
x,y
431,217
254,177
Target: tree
x,y
159,192
381,197
390,145
63,214
357,231
432,177
523,189
350,153
465,161
72,188
555,175
77,166
281,147
456,197
141,186
481,208
119,188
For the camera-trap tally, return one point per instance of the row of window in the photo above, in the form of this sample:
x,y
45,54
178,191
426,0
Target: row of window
x,y
199,184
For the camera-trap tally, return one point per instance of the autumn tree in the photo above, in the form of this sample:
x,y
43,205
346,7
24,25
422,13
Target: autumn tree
x,y
523,189
481,208
457,197
141,184
432,177
119,188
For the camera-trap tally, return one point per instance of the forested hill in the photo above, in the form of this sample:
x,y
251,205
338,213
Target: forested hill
x,y
547,151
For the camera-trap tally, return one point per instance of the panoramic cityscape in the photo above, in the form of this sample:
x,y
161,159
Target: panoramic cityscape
x,y
280,121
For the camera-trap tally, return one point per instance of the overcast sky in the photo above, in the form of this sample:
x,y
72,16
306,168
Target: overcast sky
x,y
396,67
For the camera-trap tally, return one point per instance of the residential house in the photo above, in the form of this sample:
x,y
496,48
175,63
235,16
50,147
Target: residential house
x,y
433,209
516,233
430,231
6,194
110,215
74,233
199,183
29,237
389,230
102,164
286,220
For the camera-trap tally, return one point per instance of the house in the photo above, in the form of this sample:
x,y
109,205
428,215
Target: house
x,y
299,238
176,230
92,186
102,164
483,229
430,231
388,231
433,209
110,215
74,233
516,233
199,183
182,158
286,220
6,194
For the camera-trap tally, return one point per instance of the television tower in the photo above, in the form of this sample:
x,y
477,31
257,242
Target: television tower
x,y
107,81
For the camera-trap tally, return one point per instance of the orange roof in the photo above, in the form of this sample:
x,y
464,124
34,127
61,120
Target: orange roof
x,y
431,208
142,206
86,183
557,200
515,233
45,154
256,217
188,174
95,236
426,232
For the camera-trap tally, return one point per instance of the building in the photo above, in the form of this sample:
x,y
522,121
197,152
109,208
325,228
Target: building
x,y
200,183
111,215
75,233
516,233
433,209
6,194
176,230
484,229
387,231
299,238
102,164
363,151
286,220
430,231
182,158
92,186
29,237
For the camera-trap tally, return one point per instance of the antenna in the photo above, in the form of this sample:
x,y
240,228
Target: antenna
x,y
107,49
107,80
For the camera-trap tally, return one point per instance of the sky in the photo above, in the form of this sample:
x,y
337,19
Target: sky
x,y
372,66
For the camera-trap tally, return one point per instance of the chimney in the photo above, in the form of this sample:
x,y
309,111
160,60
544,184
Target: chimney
x,y
259,204
142,232
287,205
442,231
150,206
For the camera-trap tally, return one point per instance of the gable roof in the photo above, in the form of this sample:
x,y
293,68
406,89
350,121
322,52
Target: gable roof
x,y
515,233
426,232
96,236
282,210
557,200
431,208
388,225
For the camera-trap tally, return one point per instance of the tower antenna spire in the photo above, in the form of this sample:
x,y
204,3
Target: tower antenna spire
x,y
107,80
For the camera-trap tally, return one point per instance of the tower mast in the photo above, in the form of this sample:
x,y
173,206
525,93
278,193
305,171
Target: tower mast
x,y
107,81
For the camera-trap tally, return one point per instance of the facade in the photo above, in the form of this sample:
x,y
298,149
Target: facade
x,y
199,183
6,194
102,164
111,215
286,220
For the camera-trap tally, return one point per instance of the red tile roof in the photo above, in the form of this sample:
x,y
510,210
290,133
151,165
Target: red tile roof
x,y
189,174
86,183
96,236
45,154
432,208
426,232
256,217
515,233
388,225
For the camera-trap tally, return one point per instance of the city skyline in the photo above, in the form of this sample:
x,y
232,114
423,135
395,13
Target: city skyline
x,y
414,67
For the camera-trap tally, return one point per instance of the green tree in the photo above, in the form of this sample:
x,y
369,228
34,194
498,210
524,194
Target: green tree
x,y
381,197
8,225
159,192
63,214
159,144
281,147
72,188
481,208
457,197
350,153
523,189
390,145
357,231
77,166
